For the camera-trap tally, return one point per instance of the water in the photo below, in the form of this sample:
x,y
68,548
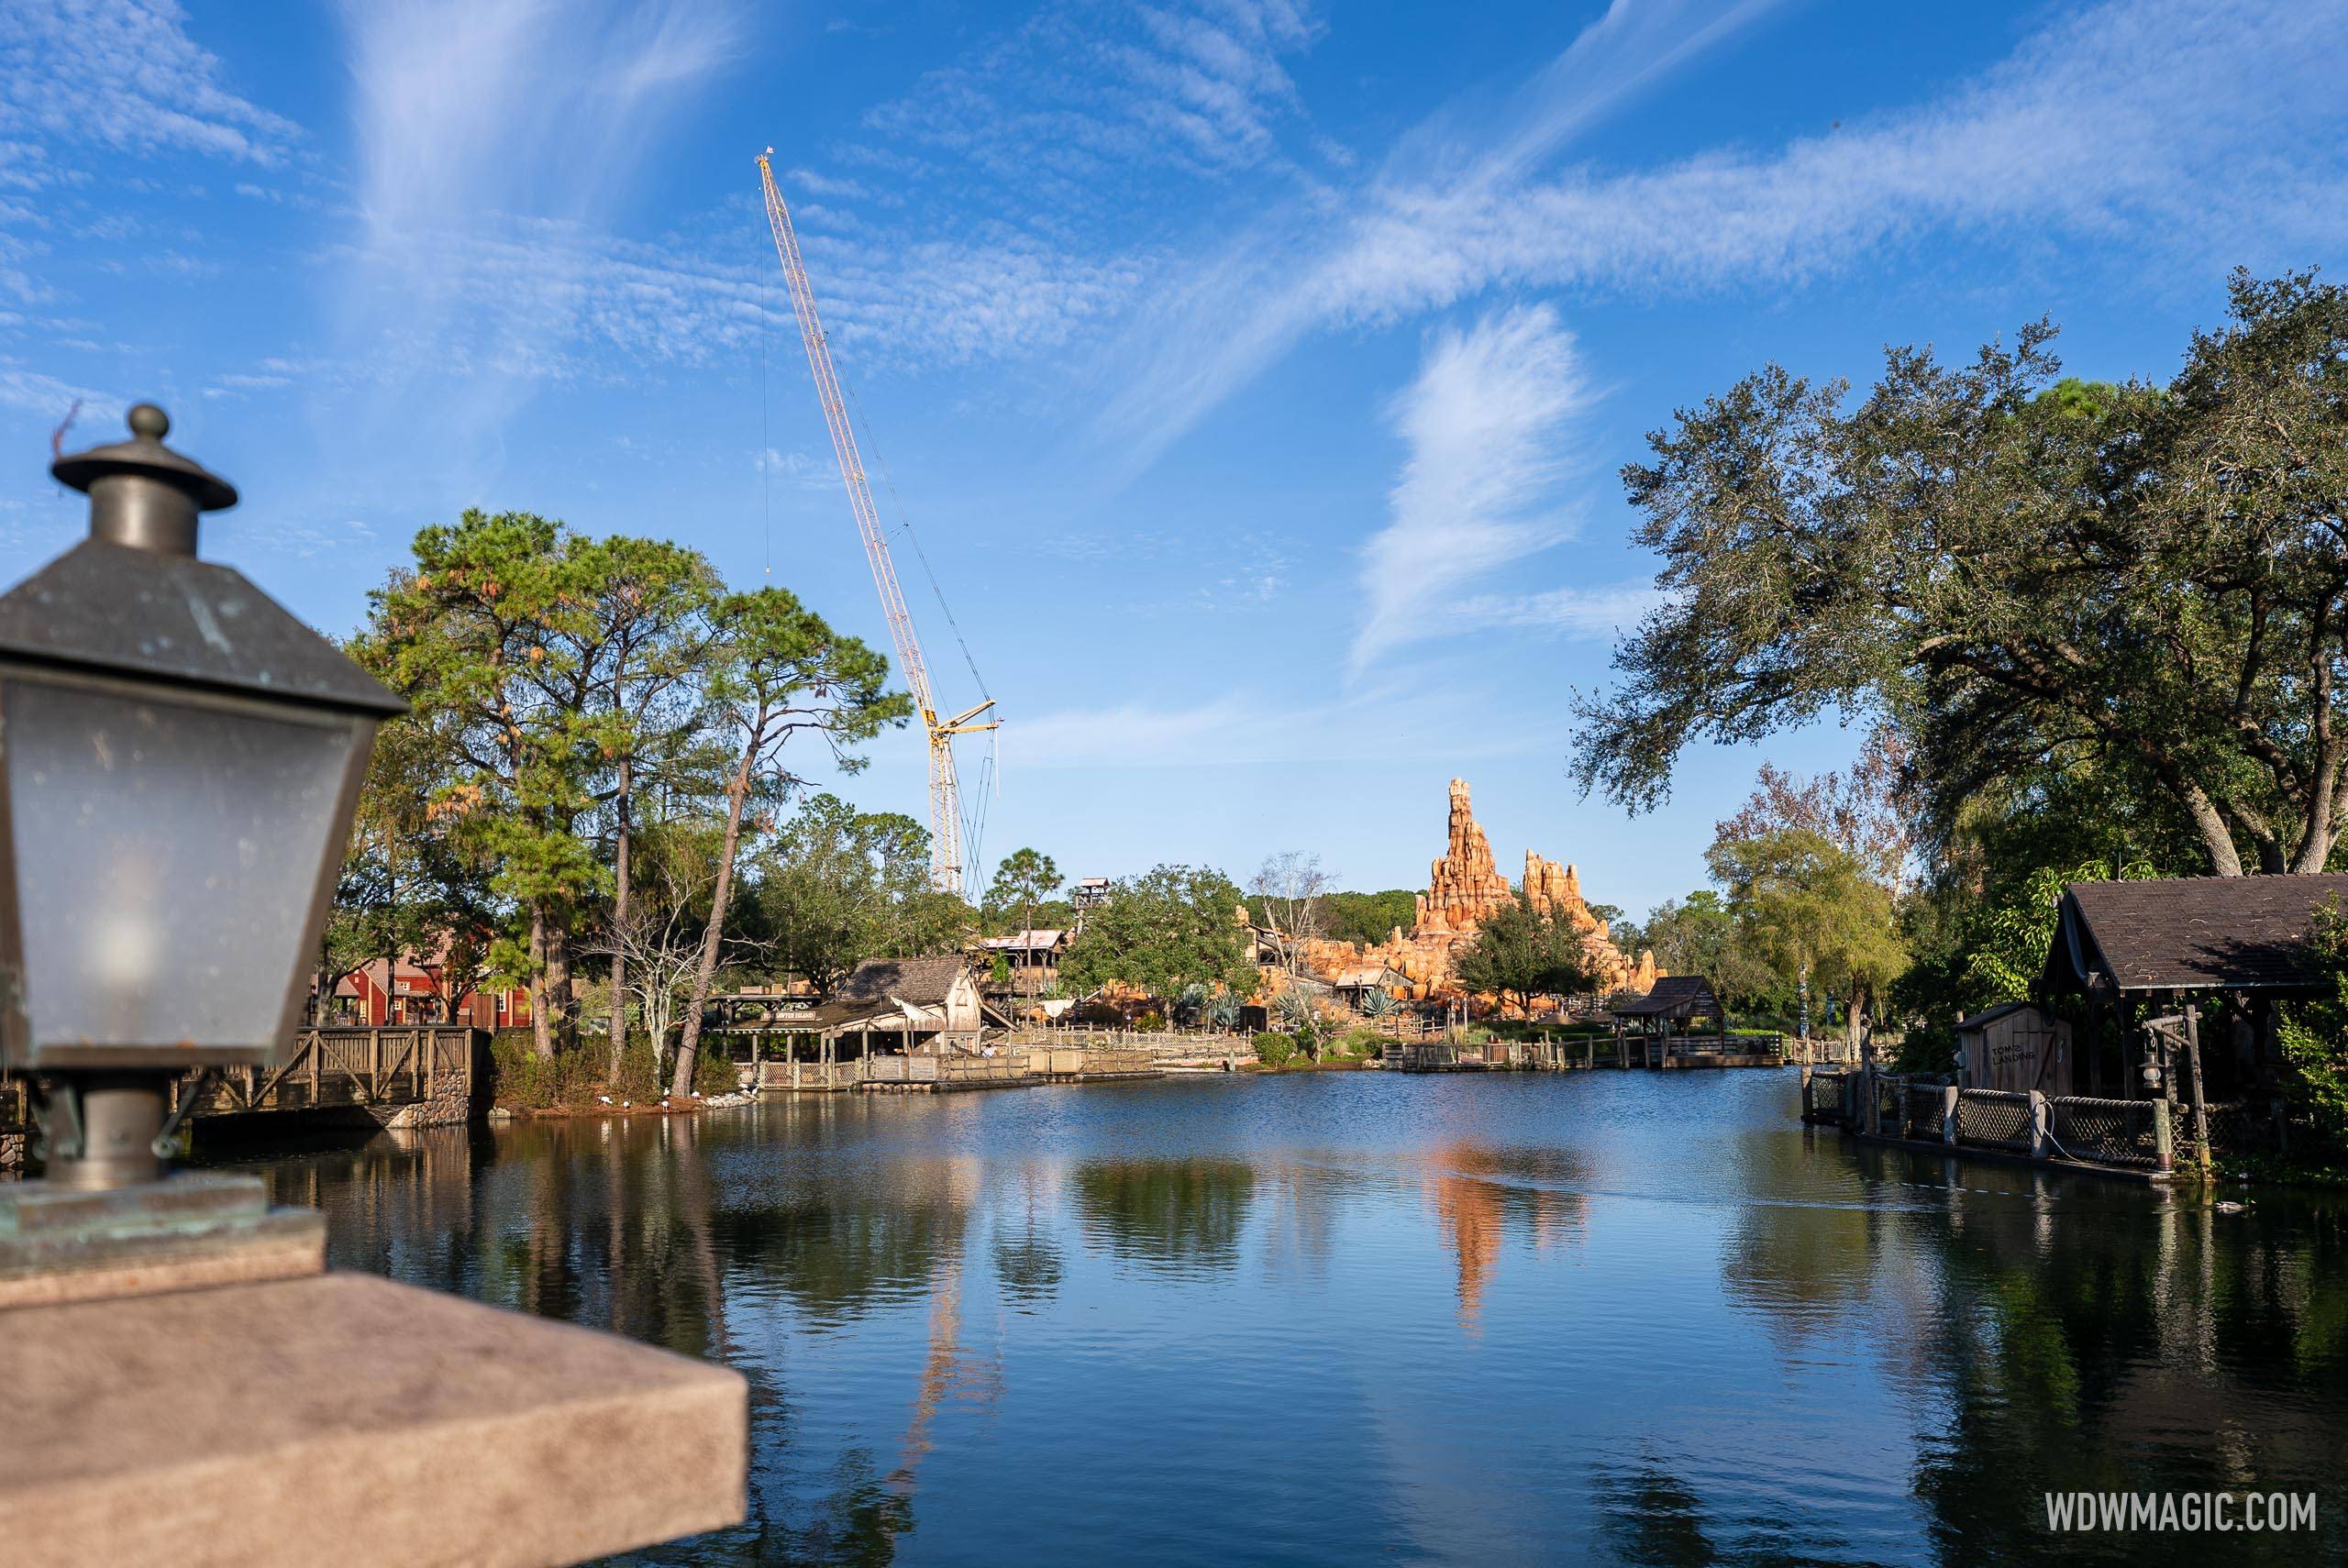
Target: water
x,y
1490,1318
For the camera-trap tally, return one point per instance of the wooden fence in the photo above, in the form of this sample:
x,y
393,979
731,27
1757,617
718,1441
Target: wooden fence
x,y
2143,1134
957,1071
432,1064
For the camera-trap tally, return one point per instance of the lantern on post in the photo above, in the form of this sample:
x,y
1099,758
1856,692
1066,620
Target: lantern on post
x,y
180,761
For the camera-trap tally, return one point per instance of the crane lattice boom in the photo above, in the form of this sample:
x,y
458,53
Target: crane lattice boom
x,y
945,790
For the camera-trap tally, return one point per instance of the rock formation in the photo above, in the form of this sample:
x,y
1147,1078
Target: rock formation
x,y
1464,888
1464,885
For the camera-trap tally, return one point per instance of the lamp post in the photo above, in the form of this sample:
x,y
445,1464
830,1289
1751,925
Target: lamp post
x,y
180,761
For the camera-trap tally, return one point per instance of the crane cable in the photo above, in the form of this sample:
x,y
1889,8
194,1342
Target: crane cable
x,y
974,813
905,526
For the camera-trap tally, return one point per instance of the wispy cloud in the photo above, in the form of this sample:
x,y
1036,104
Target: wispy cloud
x,y
50,398
1077,91
494,139
1485,425
125,75
1569,612
2133,118
1250,726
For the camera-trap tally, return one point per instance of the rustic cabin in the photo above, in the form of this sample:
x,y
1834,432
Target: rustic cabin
x,y
1357,984
2195,966
2016,1046
1678,1005
903,1005
1032,956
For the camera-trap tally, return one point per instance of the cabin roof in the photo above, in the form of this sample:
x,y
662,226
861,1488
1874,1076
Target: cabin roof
x,y
1024,940
924,982
1988,1016
2192,933
1674,996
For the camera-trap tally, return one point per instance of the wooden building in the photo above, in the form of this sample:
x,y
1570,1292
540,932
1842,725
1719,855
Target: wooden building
x,y
385,994
1356,984
2016,1046
1032,956
1679,1004
908,1005
2230,949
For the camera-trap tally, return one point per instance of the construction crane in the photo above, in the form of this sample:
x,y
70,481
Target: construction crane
x,y
945,789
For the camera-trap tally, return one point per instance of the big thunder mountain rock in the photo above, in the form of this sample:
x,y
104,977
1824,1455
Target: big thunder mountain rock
x,y
1464,888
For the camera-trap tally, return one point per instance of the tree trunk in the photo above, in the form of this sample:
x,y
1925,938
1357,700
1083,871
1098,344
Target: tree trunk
x,y
1853,1010
2225,859
619,919
689,1041
541,1025
562,993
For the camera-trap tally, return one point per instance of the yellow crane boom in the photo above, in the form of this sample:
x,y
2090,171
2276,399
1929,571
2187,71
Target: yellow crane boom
x,y
945,790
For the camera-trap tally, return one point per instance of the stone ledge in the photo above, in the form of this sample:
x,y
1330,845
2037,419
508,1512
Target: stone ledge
x,y
193,1228
345,1419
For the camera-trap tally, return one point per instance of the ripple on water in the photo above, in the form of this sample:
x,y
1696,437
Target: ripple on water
x,y
1322,1319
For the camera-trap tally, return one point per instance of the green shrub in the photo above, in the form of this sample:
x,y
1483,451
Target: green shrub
x,y
574,1079
1275,1050
715,1075
1150,1023
521,1079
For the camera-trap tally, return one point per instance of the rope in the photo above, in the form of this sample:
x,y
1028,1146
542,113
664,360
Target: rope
x,y
905,526
766,455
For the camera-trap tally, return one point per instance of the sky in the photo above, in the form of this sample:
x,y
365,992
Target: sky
x,y
1255,376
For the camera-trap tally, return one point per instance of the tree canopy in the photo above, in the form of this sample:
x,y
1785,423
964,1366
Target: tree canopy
x,y
1025,879
2020,573
1171,927
1809,909
1523,951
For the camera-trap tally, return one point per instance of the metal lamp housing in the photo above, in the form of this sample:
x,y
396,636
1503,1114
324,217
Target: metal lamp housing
x,y
180,762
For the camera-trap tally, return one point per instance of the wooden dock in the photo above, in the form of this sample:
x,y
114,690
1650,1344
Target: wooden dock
x,y
414,1076
955,1072
1586,1053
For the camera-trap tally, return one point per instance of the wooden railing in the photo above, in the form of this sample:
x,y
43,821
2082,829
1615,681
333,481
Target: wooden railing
x,y
352,1066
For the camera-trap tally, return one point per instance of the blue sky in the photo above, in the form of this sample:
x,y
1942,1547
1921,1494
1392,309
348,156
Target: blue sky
x,y
1255,374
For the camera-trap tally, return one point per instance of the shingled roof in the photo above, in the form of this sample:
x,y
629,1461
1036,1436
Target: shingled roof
x,y
920,981
1675,996
2191,934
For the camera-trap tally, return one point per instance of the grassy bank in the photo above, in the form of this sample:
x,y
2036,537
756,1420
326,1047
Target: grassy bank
x,y
578,1080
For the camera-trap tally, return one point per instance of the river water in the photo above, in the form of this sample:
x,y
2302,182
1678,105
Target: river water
x,y
1339,1318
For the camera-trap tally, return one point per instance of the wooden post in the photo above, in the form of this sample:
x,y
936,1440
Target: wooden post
x,y
2193,1071
1805,1092
1948,1114
2041,1119
317,1049
2163,1144
374,1066
2095,1047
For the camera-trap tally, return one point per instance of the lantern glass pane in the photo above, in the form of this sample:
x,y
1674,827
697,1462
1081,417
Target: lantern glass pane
x,y
167,856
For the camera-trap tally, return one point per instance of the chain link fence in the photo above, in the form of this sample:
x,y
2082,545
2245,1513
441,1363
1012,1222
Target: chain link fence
x,y
2235,1129
1997,1119
1921,1112
1825,1097
2114,1132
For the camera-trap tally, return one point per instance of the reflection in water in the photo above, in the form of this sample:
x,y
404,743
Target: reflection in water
x,y
1179,1215
1478,1191
1196,1321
